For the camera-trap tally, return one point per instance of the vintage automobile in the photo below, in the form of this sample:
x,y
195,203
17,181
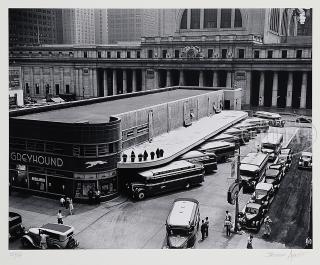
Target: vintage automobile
x,y
305,160
304,120
273,176
252,216
280,167
15,225
263,194
59,236
285,158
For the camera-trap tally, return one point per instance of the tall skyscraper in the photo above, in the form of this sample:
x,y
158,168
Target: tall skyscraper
x,y
78,26
32,26
101,26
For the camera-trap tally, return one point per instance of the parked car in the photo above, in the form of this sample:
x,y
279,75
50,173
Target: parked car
x,y
263,194
285,158
273,176
15,225
59,236
252,216
305,160
304,120
279,167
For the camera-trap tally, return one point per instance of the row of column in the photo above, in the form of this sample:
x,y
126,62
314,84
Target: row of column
x,y
303,95
201,78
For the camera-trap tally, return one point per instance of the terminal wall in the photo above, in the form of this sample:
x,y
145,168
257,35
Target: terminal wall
x,y
144,124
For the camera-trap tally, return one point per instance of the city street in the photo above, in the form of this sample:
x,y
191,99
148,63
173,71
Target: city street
x,y
123,223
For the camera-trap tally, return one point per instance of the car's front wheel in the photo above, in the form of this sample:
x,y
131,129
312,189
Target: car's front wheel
x,y
141,195
26,243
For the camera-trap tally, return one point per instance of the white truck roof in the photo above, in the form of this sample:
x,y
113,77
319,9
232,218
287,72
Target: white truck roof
x,y
181,213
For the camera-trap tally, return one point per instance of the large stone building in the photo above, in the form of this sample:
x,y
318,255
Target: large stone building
x,y
257,50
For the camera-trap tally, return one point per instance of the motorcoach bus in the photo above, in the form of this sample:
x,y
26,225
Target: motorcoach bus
x,y
223,150
252,170
208,160
182,223
243,135
274,119
176,175
225,137
271,144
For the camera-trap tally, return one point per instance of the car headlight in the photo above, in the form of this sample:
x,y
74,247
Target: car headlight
x,y
300,162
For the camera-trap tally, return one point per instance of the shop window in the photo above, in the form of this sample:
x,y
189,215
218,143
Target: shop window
x,y
299,54
284,54
256,54
37,89
270,54
138,54
210,53
108,186
241,53
224,53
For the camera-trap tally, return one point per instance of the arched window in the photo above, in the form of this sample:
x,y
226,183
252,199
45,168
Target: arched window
x,y
183,24
195,19
210,18
225,18
237,18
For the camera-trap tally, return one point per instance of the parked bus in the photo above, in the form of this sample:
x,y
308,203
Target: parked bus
x,y
225,137
243,135
271,144
208,160
274,119
223,150
252,170
261,125
176,175
183,223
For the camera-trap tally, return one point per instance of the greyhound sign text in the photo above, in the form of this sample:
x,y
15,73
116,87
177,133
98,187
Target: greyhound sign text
x,y
36,159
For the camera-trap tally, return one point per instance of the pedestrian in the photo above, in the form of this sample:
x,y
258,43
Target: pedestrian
x,y
145,155
67,203
207,227
133,156
308,243
228,216
90,195
97,196
161,152
227,224
203,229
158,153
152,154
62,202
71,207
249,243
267,226
59,217
43,240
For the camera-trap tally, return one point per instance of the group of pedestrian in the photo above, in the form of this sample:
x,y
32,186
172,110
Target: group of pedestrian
x,y
204,228
67,203
144,156
94,196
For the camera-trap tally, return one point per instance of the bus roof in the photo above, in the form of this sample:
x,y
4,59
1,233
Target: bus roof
x,y
172,166
267,114
181,213
272,138
248,167
255,159
216,144
192,154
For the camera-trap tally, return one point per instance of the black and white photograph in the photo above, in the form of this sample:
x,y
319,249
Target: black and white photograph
x,y
160,128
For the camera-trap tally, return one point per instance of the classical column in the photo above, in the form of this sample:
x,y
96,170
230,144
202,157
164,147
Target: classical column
x,y
156,79
114,82
188,18
143,79
261,89
275,89
247,95
201,18
303,96
95,83
201,78
105,82
72,82
61,81
134,80
168,81
181,78
289,90
42,92
81,88
32,86
229,77
215,79
77,86
124,81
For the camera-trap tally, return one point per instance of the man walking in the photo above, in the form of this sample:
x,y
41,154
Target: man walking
x,y
249,243
71,207
59,217
203,229
227,224
207,227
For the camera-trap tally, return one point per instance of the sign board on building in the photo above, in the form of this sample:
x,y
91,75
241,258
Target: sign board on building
x,y
14,77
